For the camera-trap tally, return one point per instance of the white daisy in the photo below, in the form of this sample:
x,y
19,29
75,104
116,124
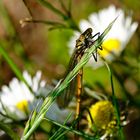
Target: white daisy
x,y
17,101
116,39
16,98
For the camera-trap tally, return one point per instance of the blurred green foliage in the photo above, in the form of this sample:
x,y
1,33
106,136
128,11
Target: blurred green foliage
x,y
36,47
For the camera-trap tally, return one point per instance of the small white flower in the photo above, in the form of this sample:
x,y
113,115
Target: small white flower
x,y
116,39
16,98
17,101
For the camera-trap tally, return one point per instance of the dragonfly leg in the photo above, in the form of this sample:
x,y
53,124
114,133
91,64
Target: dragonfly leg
x,y
100,47
95,55
97,34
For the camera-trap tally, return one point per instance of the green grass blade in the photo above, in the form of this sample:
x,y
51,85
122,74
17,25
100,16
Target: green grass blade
x,y
28,8
7,21
12,65
115,103
82,134
58,90
60,130
51,7
11,32
53,24
9,131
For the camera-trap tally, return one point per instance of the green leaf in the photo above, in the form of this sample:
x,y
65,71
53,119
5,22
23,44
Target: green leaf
x,y
12,65
9,131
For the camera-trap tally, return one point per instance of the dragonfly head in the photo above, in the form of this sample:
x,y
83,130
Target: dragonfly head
x,y
88,33
81,41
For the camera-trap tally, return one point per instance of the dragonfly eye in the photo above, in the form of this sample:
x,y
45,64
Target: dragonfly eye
x,y
89,30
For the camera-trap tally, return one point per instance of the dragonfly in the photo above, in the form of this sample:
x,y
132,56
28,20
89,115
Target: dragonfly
x,y
84,41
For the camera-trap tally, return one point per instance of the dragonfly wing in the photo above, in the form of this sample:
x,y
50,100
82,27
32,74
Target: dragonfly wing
x,y
65,97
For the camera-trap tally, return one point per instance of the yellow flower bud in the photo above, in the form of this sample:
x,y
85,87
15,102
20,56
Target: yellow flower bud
x,y
102,114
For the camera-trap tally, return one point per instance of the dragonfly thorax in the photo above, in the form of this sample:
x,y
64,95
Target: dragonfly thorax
x,y
84,38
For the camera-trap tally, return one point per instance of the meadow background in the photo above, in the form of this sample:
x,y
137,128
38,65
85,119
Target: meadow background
x,y
37,46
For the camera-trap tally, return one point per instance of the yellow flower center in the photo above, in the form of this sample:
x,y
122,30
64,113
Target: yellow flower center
x,y
110,46
22,105
102,114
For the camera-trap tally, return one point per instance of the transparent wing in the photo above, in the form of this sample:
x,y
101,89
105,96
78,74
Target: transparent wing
x,y
67,95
